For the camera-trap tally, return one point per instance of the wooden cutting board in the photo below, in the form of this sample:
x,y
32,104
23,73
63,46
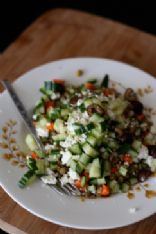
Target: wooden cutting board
x,y
62,33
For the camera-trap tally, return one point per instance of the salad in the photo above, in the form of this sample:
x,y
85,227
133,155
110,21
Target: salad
x,y
95,138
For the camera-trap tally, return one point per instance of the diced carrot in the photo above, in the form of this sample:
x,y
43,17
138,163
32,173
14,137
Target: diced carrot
x,y
90,86
105,190
114,170
50,126
77,183
49,104
141,117
107,91
57,81
34,155
127,158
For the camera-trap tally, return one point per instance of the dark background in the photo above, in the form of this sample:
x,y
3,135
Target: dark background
x,y
17,15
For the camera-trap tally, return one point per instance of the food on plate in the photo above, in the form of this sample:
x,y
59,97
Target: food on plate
x,y
95,138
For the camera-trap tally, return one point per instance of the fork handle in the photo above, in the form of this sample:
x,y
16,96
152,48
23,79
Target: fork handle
x,y
22,111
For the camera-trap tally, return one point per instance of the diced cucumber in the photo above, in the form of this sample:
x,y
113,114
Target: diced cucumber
x,y
39,110
88,102
84,159
79,167
133,153
59,126
98,181
40,163
125,187
123,171
31,164
118,105
53,113
82,107
83,181
56,87
48,85
75,157
27,178
75,148
42,123
133,180
54,155
53,165
91,140
137,145
59,137
72,164
90,126
44,91
89,150
65,113
96,118
79,128
106,168
31,143
113,144
114,186
95,169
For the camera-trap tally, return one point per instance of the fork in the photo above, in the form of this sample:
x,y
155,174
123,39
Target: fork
x,y
66,189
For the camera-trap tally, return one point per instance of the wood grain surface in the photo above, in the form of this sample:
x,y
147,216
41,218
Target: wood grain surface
x,y
63,33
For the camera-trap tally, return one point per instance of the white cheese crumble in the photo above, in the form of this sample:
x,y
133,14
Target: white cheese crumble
x,y
49,179
151,163
143,153
42,132
49,147
66,156
34,116
65,179
68,142
80,101
73,175
55,96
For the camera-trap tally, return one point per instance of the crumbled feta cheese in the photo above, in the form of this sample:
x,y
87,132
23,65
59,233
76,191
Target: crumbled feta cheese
x,y
82,138
64,179
75,157
71,128
34,116
151,163
49,179
50,172
49,147
73,175
66,155
132,210
68,142
42,132
55,96
80,101
143,153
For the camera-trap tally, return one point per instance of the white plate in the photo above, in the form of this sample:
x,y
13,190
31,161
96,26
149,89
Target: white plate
x,y
41,200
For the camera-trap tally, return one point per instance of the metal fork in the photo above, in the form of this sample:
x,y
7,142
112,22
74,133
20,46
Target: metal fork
x,y
66,189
